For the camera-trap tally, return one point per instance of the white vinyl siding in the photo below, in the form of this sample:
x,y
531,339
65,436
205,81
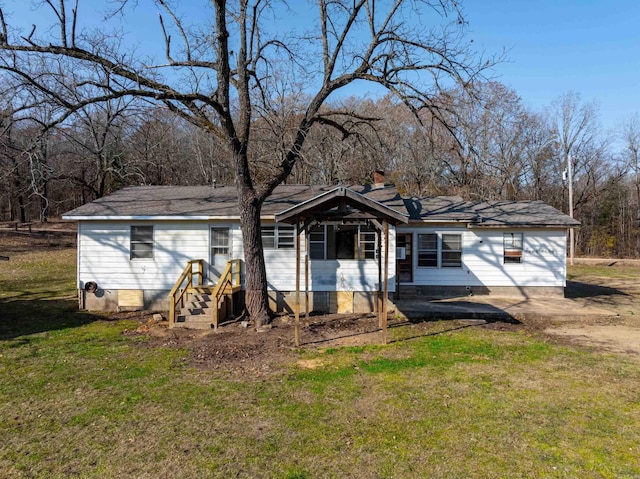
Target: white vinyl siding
x,y
103,253
482,260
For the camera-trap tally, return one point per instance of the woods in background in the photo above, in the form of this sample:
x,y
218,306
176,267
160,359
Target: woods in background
x,y
490,150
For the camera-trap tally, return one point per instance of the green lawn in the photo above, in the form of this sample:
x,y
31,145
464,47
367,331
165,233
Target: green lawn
x,y
80,399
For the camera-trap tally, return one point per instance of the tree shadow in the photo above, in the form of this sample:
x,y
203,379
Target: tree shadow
x,y
435,310
577,289
24,317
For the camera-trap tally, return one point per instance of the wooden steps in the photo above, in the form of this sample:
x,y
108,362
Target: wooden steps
x,y
197,306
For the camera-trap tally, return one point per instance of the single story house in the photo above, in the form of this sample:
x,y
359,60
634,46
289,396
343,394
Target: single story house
x,y
134,244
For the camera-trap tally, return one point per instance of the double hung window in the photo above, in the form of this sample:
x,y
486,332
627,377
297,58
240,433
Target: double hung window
x,y
141,246
278,237
440,250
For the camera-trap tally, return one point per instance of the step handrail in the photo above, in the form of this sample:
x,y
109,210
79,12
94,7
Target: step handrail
x,y
187,275
227,284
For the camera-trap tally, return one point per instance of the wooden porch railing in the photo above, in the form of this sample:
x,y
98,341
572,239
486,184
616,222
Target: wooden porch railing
x,y
178,292
228,284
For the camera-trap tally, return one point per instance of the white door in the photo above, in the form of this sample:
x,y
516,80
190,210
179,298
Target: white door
x,y
220,251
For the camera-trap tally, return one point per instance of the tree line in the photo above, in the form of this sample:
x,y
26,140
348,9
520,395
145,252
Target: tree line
x,y
491,147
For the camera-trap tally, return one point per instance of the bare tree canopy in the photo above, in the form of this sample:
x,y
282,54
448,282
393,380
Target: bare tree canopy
x,y
237,61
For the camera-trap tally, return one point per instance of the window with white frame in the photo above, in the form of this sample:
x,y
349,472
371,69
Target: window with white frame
x,y
141,246
220,242
286,237
451,251
278,237
343,242
428,250
512,243
317,243
440,250
366,243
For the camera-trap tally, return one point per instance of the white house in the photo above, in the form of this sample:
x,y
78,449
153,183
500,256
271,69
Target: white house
x,y
134,244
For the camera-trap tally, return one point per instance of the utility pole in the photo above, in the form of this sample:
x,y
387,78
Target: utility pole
x,y
570,173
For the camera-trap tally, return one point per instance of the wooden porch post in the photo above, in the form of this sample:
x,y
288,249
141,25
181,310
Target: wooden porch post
x,y
386,282
297,325
379,291
306,273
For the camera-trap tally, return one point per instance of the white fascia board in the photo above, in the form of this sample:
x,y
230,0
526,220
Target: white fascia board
x,y
158,218
148,218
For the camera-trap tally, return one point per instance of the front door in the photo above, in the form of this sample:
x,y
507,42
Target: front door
x,y
405,266
220,252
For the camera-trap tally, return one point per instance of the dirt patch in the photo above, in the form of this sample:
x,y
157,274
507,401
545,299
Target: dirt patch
x,y
613,338
242,349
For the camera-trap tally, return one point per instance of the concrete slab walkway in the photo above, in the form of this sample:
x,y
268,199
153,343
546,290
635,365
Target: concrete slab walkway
x,y
494,308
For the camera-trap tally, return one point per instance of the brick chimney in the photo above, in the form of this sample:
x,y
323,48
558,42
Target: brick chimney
x,y
378,179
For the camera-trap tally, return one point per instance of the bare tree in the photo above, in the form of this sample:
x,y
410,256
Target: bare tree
x,y
221,75
631,137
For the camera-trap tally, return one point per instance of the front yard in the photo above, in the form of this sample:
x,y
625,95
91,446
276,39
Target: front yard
x,y
83,396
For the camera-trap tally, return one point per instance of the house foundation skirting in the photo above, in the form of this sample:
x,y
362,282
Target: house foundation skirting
x,y
422,291
279,301
123,300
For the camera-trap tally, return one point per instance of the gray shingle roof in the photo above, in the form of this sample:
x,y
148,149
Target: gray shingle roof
x,y
206,201
521,213
210,203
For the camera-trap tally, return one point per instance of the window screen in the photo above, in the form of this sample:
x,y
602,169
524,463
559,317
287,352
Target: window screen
x,y
451,251
141,242
428,250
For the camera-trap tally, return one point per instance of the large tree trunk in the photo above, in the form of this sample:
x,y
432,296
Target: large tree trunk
x,y
256,298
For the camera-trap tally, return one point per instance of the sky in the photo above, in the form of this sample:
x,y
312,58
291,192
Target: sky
x,y
591,47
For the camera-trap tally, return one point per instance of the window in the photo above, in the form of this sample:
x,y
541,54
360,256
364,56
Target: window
x,y
366,243
451,251
428,250
512,243
440,250
141,242
278,237
343,242
286,237
219,242
268,237
317,248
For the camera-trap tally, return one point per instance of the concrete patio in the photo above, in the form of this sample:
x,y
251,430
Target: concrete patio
x,y
494,308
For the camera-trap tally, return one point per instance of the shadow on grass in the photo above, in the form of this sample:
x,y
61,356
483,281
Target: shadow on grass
x,y
484,314
454,326
577,289
428,310
23,317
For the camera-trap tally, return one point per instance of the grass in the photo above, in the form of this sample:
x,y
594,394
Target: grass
x,y
80,399
585,272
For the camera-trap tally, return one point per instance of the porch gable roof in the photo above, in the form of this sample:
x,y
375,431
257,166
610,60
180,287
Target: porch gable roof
x,y
342,203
